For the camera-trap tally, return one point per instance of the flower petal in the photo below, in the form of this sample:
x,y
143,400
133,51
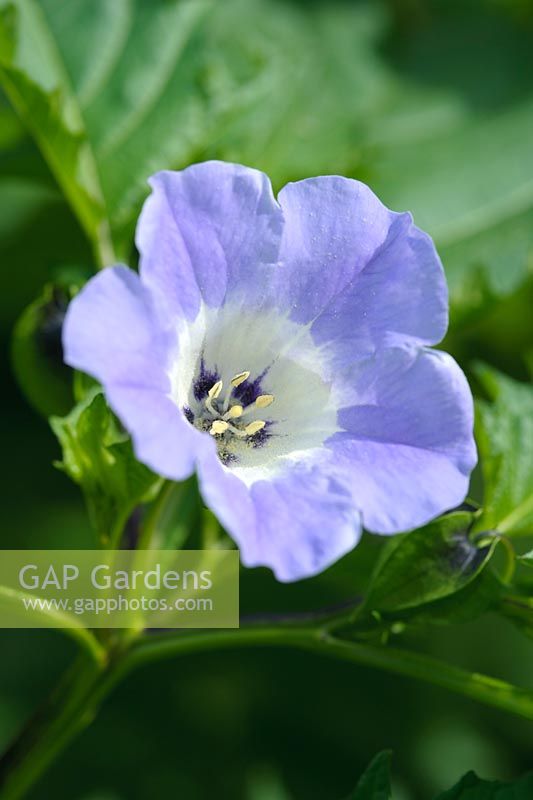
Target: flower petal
x,y
112,332
162,437
363,276
305,522
298,523
208,230
407,447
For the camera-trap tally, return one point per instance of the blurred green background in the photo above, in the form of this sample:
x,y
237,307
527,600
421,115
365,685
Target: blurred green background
x,y
429,102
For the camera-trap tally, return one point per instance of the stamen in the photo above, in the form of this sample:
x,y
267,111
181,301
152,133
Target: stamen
x,y
239,378
223,416
218,427
240,434
249,430
254,427
234,412
212,394
264,400
215,390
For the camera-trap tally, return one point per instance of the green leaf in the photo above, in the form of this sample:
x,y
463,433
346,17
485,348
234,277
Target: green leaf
x,y
22,199
375,784
470,787
37,355
99,457
34,78
175,82
479,211
300,127
469,603
505,436
451,145
428,565
526,559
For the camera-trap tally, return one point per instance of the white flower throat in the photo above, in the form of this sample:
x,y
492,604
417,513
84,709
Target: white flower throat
x,y
279,406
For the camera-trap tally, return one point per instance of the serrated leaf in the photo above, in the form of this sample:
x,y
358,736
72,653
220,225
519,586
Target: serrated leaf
x,y
427,565
470,787
375,784
99,457
505,437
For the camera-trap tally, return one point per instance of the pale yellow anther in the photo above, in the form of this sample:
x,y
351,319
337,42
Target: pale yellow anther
x,y
264,400
254,427
215,390
239,378
218,427
234,412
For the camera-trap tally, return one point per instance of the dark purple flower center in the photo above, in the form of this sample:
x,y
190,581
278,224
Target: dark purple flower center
x,y
203,381
231,413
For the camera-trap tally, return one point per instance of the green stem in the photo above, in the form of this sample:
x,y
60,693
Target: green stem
x,y
516,516
175,504
153,517
103,249
48,732
484,689
58,620
518,610
78,703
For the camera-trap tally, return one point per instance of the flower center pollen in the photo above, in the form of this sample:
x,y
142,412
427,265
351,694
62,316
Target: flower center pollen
x,y
224,414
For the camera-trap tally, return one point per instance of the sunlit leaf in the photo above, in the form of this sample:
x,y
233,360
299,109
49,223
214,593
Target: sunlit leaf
x,y
98,456
452,145
505,436
175,82
34,78
430,564
526,559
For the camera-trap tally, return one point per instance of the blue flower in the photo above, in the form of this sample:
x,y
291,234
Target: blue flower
x,y
281,350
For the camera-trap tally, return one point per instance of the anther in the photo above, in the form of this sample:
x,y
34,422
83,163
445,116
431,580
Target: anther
x,y
254,427
218,427
234,412
239,378
215,390
264,400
